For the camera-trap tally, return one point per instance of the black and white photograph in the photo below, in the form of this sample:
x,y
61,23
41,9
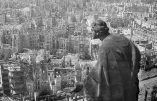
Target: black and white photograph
x,y
78,50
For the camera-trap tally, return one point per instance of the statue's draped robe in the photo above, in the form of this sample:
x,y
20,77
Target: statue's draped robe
x,y
114,78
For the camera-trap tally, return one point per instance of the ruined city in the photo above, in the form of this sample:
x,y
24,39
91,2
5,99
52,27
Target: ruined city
x,y
47,50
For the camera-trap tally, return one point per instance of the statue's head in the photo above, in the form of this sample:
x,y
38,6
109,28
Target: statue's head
x,y
98,28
